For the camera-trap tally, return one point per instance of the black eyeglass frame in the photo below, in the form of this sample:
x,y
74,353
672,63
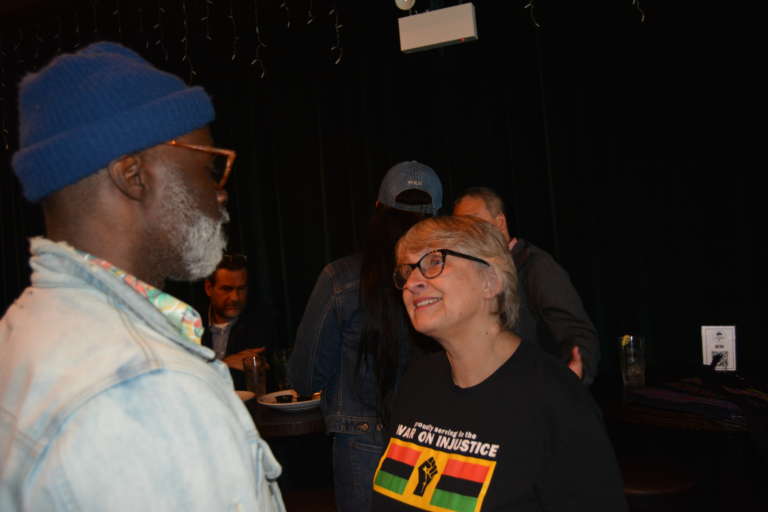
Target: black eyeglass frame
x,y
397,275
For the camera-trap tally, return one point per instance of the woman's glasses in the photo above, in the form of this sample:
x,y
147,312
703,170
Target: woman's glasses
x,y
430,265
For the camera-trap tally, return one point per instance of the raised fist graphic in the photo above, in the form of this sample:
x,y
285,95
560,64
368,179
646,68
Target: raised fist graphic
x,y
427,472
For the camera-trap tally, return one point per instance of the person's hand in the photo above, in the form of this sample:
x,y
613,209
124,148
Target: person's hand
x,y
575,363
235,361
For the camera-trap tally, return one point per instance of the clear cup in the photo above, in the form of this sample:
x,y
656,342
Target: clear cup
x,y
279,359
632,360
255,372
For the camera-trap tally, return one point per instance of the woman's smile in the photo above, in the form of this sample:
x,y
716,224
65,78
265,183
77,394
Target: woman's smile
x,y
425,302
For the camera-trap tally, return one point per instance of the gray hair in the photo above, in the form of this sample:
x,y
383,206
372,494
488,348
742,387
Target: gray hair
x,y
490,198
477,238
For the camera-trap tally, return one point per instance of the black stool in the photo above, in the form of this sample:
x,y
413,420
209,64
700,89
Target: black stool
x,y
310,500
658,483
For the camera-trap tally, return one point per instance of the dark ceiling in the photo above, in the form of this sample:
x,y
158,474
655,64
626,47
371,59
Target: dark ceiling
x,y
11,6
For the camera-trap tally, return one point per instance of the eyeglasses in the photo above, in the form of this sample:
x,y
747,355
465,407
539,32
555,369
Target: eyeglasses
x,y
221,164
430,265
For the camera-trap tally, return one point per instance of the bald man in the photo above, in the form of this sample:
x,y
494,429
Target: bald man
x,y
551,311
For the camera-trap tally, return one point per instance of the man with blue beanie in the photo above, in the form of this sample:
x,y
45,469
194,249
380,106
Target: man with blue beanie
x,y
107,399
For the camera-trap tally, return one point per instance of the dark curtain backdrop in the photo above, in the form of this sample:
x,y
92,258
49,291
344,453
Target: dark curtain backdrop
x,y
609,138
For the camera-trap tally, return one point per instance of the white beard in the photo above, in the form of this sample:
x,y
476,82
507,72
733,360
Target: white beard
x,y
200,240
203,246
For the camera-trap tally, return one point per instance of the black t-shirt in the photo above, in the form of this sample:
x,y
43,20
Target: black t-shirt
x,y
528,438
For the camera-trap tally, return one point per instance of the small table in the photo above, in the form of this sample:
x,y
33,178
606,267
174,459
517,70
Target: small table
x,y
666,444
295,438
276,424
639,414
647,406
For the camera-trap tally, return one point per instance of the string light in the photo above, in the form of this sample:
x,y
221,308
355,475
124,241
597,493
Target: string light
x,y
116,13
17,46
235,37
310,16
153,32
142,33
530,6
77,30
207,19
2,71
284,6
3,129
337,50
257,61
95,19
57,35
3,126
160,32
636,4
39,41
185,40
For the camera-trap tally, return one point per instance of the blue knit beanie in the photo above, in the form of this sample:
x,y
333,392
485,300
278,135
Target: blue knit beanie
x,y
85,109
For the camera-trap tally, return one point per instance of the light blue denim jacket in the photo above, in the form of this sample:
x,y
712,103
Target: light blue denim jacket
x,y
104,405
325,353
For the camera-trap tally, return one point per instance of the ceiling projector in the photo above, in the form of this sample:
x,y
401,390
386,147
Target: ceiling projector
x,y
432,29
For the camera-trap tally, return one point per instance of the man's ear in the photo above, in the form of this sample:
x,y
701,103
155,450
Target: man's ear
x,y
501,222
127,174
208,287
492,285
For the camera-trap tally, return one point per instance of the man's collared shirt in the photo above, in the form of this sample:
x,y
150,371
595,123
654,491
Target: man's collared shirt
x,y
220,337
180,314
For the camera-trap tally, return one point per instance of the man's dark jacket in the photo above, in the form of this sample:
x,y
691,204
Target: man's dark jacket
x,y
253,328
551,311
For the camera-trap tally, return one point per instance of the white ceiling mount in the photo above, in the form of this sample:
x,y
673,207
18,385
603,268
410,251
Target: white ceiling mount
x,y
405,5
441,27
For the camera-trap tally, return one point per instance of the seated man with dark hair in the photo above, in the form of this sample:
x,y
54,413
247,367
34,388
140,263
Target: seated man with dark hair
x,y
231,332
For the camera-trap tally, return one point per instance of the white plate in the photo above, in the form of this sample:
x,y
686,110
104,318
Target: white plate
x,y
245,395
270,400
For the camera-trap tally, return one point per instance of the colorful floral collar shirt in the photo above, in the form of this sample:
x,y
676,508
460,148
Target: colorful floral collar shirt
x,y
180,314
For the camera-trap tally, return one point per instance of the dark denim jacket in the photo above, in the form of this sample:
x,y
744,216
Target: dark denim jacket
x,y
325,353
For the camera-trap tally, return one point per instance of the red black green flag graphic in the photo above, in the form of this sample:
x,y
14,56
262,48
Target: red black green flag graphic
x,y
433,480
396,468
459,486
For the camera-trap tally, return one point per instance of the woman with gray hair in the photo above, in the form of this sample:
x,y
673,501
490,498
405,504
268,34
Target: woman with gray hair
x,y
492,422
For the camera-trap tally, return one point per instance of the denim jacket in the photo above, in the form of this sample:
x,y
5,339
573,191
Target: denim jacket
x,y
104,405
325,353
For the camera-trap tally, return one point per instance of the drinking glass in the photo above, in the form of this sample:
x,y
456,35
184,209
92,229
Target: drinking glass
x,y
255,375
632,359
280,368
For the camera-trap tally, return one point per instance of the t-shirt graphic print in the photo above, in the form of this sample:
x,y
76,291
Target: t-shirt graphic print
x,y
529,438
428,476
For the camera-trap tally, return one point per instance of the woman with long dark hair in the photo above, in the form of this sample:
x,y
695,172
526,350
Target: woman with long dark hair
x,y
354,339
